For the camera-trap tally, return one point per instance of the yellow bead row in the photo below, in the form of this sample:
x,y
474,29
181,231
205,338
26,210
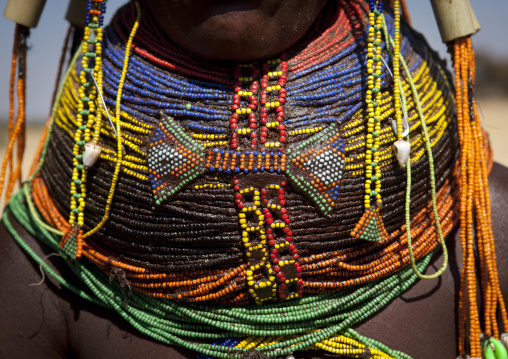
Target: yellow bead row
x,y
211,185
201,136
338,344
132,125
124,141
215,143
304,131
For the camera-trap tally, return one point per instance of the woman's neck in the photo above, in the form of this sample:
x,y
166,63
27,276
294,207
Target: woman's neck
x,y
235,30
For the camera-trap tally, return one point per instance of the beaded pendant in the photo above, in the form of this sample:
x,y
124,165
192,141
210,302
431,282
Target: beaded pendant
x,y
88,120
370,226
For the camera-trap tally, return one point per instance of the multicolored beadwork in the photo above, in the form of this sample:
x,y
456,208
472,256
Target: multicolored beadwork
x,y
317,167
174,160
249,184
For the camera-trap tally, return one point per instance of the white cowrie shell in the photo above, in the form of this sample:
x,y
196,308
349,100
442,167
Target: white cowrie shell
x,y
402,150
92,154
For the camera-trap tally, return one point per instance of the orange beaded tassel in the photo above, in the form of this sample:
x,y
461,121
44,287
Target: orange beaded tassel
x,y
475,213
16,128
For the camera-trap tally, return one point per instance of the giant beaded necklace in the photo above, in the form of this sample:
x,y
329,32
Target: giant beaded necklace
x,y
273,226
282,160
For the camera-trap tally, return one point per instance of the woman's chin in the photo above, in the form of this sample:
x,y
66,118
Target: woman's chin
x,y
240,30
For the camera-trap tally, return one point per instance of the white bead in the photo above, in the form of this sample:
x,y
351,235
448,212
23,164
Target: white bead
x,y
290,356
402,150
92,154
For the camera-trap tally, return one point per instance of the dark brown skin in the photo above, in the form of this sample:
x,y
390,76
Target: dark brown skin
x,y
47,321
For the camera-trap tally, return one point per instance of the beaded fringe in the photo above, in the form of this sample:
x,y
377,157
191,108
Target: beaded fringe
x,y
475,214
17,126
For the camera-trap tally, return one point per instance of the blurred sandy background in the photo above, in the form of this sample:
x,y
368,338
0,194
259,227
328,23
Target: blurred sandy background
x,y
46,41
